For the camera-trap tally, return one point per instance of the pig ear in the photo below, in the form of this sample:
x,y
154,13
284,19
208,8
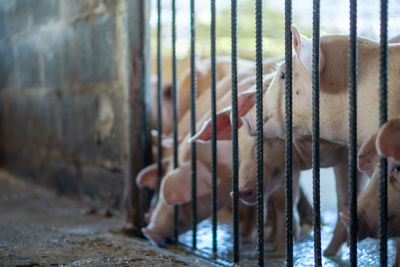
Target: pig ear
x,y
223,128
303,48
176,186
148,176
368,156
246,100
388,140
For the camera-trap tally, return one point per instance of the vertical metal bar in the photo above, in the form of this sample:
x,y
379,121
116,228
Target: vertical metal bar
x,y
289,134
193,117
382,119
214,128
137,110
235,159
159,97
175,111
259,110
315,135
353,67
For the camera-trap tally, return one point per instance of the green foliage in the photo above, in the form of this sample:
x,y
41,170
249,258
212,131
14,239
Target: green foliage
x,y
273,25
273,33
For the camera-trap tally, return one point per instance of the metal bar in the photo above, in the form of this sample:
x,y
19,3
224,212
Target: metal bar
x,y
214,128
138,110
315,135
289,134
193,117
159,98
259,110
235,160
353,67
383,110
175,111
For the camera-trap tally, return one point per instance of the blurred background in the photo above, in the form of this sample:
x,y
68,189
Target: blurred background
x,y
334,20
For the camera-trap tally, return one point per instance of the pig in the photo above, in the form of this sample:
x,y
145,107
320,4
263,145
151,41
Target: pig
x,y
176,189
148,176
332,155
246,79
247,155
385,142
203,79
334,110
395,39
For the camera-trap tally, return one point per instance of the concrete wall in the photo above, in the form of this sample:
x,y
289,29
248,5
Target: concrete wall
x,y
64,94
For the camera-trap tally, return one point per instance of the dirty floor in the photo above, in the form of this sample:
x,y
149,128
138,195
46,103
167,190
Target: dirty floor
x,y
37,227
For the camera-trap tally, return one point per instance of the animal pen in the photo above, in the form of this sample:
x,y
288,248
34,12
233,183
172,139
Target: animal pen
x,y
82,114
352,147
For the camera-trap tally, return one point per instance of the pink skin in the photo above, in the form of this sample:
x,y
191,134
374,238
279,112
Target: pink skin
x,y
386,143
332,155
333,90
175,189
203,78
157,230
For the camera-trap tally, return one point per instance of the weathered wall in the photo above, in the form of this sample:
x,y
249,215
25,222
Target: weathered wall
x,y
64,94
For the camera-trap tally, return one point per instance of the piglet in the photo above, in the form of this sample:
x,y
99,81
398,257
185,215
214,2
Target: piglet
x,y
332,155
385,142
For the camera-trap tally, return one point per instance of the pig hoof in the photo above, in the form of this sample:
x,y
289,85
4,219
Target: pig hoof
x,y
330,252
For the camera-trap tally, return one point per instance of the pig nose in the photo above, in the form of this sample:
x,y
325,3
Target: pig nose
x,y
153,237
248,195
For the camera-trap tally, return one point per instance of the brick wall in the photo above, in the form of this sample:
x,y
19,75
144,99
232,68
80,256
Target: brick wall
x,y
64,85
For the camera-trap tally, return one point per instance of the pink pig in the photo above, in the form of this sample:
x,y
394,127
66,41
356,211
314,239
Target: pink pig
x,y
385,142
334,110
332,155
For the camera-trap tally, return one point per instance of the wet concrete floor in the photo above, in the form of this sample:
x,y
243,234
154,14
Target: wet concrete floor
x,y
39,228
303,250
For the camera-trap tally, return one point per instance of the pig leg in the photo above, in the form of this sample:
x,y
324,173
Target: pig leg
x,y
279,201
342,188
247,223
271,220
280,229
305,209
296,217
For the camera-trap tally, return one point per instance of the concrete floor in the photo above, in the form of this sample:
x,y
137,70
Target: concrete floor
x,y
37,227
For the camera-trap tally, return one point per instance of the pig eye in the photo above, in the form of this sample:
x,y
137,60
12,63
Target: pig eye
x,y
396,168
283,75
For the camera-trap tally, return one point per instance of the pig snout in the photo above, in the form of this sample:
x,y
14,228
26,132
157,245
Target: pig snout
x,y
247,195
153,236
